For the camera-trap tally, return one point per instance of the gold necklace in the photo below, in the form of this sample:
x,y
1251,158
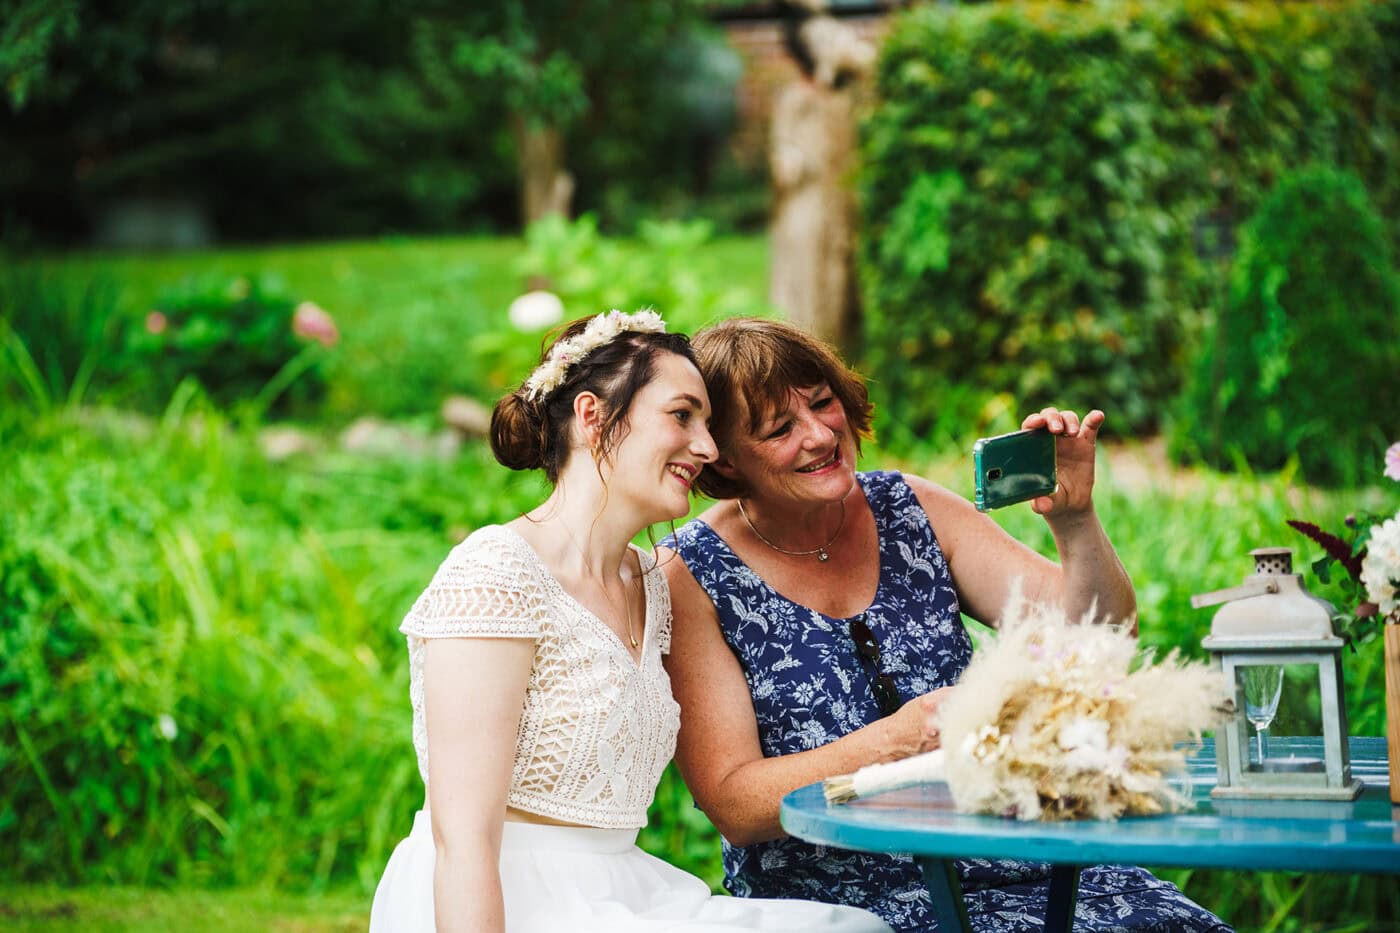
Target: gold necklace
x,y
627,603
626,584
821,553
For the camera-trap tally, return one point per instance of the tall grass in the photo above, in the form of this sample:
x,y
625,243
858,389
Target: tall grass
x,y
202,680
203,685
55,331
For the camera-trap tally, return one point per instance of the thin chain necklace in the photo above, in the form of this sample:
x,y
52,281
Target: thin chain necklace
x,y
626,585
627,603
821,553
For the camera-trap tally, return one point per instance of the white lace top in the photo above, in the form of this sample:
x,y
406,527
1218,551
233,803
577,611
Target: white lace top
x,y
597,727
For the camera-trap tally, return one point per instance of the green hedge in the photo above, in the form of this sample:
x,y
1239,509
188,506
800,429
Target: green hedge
x,y
1049,187
1311,328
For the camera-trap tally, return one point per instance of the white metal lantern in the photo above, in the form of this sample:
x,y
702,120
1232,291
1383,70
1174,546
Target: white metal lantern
x,y
1268,623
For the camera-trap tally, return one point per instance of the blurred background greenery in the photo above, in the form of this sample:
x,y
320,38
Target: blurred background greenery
x,y
224,469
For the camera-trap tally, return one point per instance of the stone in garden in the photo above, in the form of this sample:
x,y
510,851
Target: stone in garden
x,y
376,437
281,442
466,416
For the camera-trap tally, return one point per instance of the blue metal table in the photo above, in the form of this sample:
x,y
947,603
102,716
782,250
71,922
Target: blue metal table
x,y
1265,835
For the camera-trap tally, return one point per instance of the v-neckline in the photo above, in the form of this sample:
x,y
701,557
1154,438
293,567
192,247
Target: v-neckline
x,y
879,580
553,582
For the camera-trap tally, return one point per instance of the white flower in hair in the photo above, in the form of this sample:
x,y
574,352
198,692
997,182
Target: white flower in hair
x,y
602,330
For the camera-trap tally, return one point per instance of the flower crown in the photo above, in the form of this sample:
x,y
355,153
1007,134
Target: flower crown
x,y
601,330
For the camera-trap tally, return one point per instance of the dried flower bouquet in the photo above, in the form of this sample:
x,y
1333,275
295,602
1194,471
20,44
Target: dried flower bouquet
x,y
1050,721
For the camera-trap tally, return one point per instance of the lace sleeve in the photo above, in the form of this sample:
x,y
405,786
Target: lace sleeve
x,y
483,590
659,601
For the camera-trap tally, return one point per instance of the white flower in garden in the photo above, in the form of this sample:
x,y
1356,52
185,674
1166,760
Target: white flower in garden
x,y
165,725
312,322
535,311
1392,461
1380,571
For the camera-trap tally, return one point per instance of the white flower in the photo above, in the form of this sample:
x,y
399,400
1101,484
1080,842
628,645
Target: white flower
x,y
1083,732
1380,571
166,727
602,330
986,744
535,311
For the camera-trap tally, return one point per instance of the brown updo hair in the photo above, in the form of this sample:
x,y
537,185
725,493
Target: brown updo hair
x,y
533,434
750,365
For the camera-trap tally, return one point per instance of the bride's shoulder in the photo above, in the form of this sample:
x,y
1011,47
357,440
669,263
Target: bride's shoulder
x,y
489,541
494,550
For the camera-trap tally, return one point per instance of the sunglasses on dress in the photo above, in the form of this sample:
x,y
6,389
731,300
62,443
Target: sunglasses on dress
x,y
882,685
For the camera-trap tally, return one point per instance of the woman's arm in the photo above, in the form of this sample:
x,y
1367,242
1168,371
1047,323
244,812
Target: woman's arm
x,y
474,691
987,563
718,750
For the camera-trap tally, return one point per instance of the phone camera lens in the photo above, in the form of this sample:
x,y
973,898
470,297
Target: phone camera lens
x,y
994,473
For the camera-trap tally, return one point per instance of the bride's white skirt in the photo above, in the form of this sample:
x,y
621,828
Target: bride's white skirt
x,y
565,878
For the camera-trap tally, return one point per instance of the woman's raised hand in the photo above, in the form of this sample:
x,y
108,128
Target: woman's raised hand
x,y
1074,455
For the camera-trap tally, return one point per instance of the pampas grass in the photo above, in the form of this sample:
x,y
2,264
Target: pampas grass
x,y
1050,721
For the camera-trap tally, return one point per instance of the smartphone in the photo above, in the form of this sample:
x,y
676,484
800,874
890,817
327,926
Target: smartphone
x,y
1013,467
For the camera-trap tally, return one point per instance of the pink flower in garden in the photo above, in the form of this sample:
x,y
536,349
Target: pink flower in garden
x,y
156,323
312,322
1392,461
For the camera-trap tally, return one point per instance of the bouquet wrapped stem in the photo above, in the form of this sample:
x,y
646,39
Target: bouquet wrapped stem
x,y
876,779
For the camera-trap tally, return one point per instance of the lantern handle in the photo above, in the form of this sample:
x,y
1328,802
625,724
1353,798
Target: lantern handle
x,y
1249,588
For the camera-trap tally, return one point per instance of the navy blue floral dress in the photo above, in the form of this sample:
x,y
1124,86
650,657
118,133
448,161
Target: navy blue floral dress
x,y
809,687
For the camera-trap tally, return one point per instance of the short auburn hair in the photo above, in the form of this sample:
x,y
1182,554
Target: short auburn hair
x,y
750,367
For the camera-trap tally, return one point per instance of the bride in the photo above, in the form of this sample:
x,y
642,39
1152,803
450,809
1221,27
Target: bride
x,y
542,717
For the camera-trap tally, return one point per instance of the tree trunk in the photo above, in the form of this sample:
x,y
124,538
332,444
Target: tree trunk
x,y
812,151
546,187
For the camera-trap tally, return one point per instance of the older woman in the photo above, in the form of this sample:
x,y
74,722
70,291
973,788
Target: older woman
x,y
817,628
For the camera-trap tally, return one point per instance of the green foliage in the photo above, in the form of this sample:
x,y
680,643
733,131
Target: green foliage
x,y
239,338
30,29
1042,181
592,274
658,269
55,330
1311,328
203,682
281,122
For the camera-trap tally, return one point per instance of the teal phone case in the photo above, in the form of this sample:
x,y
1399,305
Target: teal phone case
x,y
1013,468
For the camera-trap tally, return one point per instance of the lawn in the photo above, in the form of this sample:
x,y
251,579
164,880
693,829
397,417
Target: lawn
x,y
39,909
420,317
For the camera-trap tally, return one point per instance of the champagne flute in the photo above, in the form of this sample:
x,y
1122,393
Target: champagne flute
x,y
1263,685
